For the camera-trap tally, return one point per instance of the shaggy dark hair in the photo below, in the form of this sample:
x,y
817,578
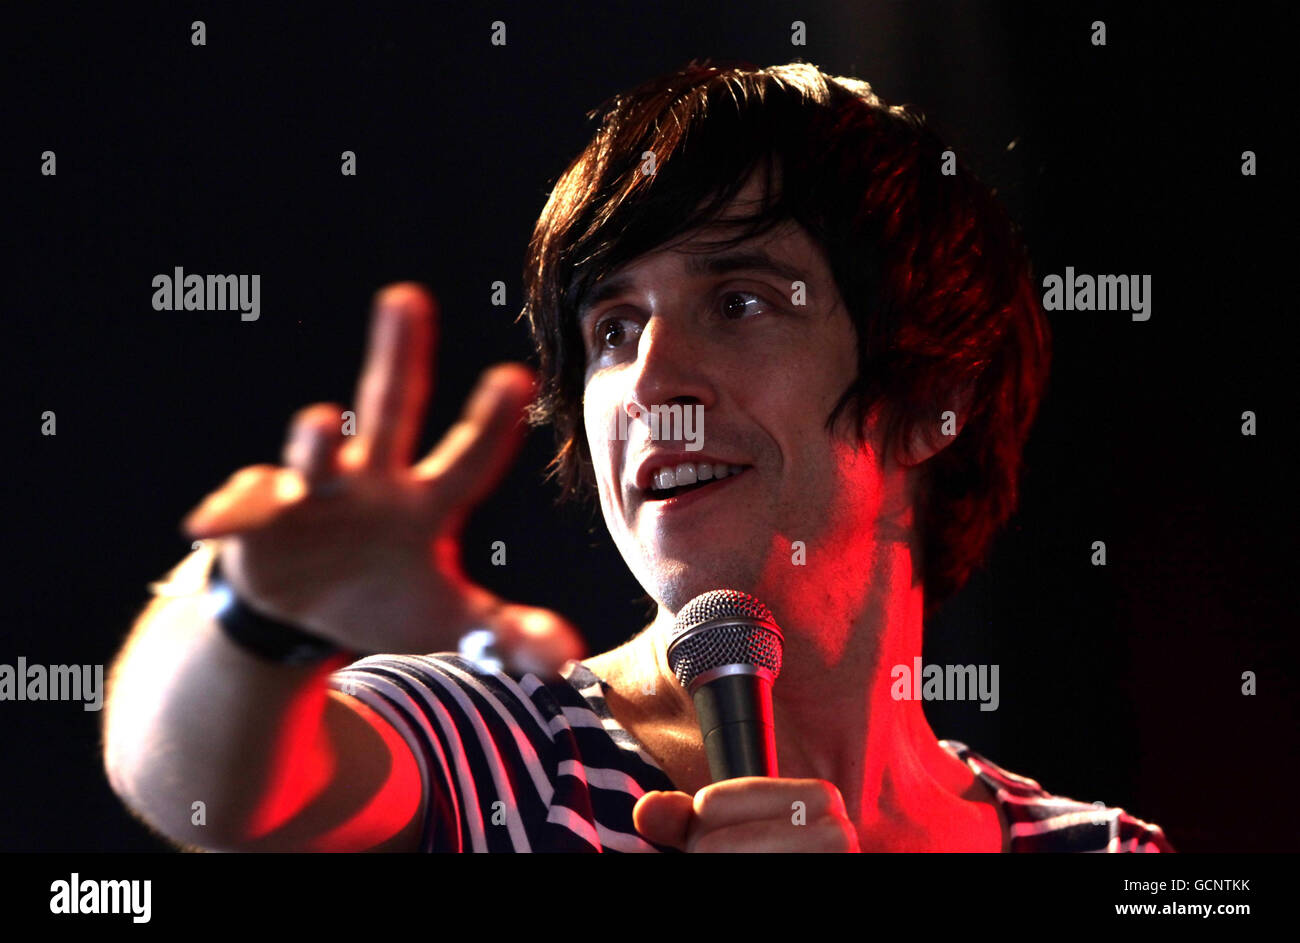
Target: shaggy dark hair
x,y
933,273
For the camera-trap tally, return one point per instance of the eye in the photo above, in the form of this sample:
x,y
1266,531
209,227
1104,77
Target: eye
x,y
736,304
609,333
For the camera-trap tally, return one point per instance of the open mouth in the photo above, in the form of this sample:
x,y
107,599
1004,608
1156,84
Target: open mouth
x,y
663,494
666,493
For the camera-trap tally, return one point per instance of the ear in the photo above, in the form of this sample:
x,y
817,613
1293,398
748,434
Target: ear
x,y
932,434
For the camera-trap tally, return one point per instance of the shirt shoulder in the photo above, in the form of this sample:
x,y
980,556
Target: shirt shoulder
x,y
1043,822
510,762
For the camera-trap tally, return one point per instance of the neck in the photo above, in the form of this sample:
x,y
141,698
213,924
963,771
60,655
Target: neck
x,y
835,717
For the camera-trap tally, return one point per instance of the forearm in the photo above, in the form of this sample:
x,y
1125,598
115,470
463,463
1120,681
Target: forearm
x,y
192,718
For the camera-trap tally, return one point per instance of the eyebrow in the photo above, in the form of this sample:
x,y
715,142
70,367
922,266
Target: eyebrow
x,y
717,263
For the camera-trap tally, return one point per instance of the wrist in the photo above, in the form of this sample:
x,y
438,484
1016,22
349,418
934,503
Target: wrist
x,y
260,634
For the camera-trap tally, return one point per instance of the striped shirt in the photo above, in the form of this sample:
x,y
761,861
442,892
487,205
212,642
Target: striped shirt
x,y
517,763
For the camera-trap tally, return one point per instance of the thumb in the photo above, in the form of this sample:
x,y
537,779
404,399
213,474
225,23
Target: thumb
x,y
249,499
664,817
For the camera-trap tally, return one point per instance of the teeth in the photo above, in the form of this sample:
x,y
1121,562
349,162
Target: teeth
x,y
688,473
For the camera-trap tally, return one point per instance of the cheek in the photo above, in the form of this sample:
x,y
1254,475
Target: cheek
x,y
819,466
600,446
594,410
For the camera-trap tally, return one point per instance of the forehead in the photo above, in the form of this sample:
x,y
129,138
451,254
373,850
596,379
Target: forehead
x,y
717,247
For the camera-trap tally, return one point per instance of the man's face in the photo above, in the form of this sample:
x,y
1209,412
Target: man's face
x,y
722,330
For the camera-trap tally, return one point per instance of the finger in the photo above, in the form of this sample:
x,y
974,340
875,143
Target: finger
x,y
394,386
475,452
250,498
749,798
664,818
775,835
313,444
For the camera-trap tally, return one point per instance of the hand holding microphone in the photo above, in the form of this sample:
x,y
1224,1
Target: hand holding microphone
x,y
725,649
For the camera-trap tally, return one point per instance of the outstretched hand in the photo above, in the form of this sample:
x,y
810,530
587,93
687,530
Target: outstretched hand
x,y
354,542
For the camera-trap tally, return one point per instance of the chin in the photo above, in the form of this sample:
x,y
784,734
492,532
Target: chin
x,y
674,583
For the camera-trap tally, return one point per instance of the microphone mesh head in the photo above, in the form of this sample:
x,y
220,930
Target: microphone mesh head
x,y
723,627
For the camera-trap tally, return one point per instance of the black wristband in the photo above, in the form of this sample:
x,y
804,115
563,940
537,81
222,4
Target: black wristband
x,y
260,634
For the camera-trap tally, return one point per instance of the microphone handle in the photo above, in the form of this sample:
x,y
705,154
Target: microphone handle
x,y
735,714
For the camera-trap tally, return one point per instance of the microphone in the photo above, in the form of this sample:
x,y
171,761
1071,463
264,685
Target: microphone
x,y
725,649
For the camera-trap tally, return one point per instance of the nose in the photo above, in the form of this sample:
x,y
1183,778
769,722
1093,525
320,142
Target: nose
x,y
671,367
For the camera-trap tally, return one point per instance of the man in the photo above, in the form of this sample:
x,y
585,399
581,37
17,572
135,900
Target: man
x,y
856,328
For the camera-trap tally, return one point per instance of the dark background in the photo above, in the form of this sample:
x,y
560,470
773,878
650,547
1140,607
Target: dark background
x,y
1119,683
